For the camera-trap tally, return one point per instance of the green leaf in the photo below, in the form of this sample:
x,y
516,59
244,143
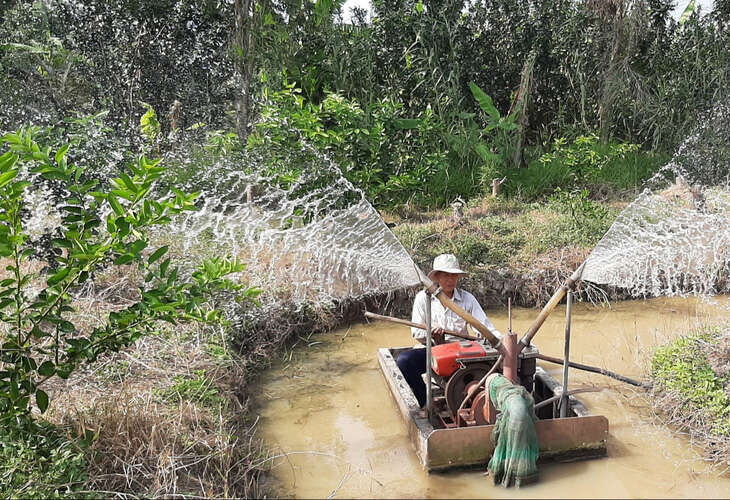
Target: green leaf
x,y
41,399
138,246
128,182
485,102
6,250
115,204
149,124
124,259
47,369
157,254
7,177
406,123
66,326
62,242
7,161
60,275
61,153
687,12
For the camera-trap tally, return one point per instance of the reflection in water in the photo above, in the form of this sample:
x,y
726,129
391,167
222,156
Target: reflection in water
x,y
331,413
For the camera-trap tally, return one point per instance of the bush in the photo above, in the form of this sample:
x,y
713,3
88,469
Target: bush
x,y
682,367
41,462
41,339
394,158
584,164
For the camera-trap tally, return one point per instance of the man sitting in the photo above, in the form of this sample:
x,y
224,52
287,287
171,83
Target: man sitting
x,y
446,273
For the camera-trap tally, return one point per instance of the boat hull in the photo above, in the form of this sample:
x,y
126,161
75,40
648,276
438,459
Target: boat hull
x,y
578,437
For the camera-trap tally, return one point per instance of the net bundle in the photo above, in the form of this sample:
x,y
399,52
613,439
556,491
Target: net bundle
x,y
514,461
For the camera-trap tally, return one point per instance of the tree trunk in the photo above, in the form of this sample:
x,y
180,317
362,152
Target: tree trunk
x,y
612,73
243,61
522,102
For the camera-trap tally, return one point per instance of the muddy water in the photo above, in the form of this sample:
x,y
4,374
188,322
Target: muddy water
x,y
328,414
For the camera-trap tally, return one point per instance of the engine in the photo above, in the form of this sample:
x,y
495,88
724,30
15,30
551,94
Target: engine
x,y
458,366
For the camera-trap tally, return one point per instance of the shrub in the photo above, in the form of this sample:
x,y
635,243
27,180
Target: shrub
x,y
682,367
40,340
41,462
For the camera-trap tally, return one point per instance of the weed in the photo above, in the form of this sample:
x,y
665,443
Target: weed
x,y
682,367
199,389
603,169
41,462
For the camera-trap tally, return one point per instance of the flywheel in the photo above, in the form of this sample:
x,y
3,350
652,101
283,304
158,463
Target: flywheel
x,y
458,384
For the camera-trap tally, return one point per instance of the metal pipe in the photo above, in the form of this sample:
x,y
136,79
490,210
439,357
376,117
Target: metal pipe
x,y
566,364
552,399
510,362
554,300
428,355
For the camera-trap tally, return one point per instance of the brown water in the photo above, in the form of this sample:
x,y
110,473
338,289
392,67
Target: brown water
x,y
327,412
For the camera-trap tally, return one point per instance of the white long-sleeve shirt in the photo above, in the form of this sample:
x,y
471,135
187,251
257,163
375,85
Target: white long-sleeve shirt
x,y
446,318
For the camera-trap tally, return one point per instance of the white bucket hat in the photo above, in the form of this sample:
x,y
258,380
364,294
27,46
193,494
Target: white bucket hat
x,y
447,263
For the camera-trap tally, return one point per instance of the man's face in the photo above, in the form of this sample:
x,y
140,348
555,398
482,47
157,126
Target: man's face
x,y
446,281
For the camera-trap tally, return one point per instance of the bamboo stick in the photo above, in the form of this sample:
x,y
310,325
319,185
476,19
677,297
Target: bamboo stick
x,y
368,314
429,402
564,399
592,369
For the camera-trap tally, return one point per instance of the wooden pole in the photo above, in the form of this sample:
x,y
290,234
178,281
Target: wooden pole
x,y
554,300
510,362
428,356
368,314
566,364
593,369
497,185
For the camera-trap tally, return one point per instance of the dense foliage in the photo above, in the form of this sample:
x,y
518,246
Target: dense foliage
x,y
397,100
691,368
90,230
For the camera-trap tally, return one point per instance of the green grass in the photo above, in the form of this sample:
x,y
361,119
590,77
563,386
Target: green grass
x,y
603,173
682,367
630,172
199,389
41,462
507,232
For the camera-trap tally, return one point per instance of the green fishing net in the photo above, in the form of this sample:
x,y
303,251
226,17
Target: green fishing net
x,y
514,461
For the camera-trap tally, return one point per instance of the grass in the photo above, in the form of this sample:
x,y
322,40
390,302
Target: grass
x,y
198,388
175,424
691,387
615,176
496,232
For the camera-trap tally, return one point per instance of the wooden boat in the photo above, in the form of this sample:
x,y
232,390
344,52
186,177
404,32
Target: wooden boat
x,y
578,436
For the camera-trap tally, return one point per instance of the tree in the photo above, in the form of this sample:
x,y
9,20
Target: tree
x,y
40,339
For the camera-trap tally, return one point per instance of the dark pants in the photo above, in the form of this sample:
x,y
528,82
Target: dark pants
x,y
412,364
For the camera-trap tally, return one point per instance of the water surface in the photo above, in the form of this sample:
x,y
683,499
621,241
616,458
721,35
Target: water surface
x,y
328,414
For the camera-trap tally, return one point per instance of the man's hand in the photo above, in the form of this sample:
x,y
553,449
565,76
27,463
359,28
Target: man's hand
x,y
437,334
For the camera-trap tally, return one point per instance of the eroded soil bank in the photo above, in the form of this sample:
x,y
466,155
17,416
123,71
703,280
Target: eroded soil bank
x,y
336,430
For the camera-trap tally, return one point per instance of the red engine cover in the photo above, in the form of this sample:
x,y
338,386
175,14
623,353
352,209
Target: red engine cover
x,y
444,356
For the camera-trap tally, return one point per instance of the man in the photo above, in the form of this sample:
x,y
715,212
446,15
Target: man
x,y
446,273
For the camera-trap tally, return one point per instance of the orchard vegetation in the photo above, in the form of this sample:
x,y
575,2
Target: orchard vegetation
x,y
421,103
